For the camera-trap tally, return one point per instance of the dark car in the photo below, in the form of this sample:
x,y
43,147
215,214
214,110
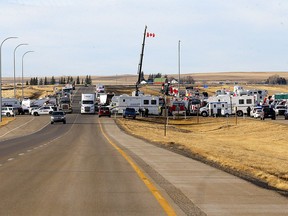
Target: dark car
x,y
129,112
104,111
269,112
286,115
58,116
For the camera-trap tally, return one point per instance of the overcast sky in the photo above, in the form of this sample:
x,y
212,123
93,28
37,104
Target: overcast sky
x,y
104,37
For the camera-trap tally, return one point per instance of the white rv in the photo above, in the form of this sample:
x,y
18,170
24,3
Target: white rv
x,y
258,94
88,103
216,109
239,103
120,103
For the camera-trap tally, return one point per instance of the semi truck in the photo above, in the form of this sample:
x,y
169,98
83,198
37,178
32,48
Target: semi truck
x,y
88,103
65,103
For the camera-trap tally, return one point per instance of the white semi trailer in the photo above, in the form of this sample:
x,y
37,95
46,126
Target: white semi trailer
x,y
88,103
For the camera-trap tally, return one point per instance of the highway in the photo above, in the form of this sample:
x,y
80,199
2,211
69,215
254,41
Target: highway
x,y
89,167
70,170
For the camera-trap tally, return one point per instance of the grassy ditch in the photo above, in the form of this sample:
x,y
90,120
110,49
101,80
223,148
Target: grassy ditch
x,y
254,150
6,120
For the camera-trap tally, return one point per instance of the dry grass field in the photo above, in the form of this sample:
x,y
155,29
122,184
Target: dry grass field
x,y
32,92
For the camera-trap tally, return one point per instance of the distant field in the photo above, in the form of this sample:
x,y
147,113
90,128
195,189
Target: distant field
x,y
198,77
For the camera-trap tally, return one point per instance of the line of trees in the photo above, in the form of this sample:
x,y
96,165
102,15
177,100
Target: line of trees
x,y
276,79
62,80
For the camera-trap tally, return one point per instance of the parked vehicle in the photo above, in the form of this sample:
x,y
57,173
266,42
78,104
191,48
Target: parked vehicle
x,y
192,106
129,112
280,109
286,115
8,111
120,103
104,111
58,116
13,102
65,103
239,103
177,108
88,103
257,113
216,109
32,107
269,112
45,110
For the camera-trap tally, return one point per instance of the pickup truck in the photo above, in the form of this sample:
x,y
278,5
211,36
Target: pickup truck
x,y
129,112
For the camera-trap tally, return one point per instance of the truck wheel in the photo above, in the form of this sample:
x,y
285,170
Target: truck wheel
x,y
8,114
239,113
204,114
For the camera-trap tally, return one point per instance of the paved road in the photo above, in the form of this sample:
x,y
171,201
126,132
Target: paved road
x,y
70,170
84,168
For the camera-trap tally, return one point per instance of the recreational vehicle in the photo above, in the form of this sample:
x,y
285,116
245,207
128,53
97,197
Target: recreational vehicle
x,y
120,103
216,109
238,104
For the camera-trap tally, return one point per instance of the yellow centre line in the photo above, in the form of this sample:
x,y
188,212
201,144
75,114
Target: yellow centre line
x,y
156,193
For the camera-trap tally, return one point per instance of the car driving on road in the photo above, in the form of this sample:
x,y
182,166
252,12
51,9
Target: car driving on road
x,y
104,111
58,116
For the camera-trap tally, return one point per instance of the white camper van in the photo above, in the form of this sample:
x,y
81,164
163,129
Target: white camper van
x,y
119,103
239,103
216,109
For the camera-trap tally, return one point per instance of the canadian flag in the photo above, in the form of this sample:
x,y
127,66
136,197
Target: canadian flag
x,y
150,34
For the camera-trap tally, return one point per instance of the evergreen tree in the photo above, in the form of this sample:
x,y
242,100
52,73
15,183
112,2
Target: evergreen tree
x,y
78,80
45,81
41,81
53,80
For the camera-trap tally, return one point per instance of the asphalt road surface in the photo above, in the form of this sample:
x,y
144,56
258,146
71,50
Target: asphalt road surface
x,y
70,170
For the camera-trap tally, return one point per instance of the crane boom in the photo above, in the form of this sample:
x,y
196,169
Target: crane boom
x,y
140,63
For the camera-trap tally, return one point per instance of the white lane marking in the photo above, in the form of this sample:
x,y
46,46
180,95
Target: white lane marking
x,y
10,159
18,127
21,154
29,150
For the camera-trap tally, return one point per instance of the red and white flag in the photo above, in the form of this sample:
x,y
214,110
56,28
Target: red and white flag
x,y
150,34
